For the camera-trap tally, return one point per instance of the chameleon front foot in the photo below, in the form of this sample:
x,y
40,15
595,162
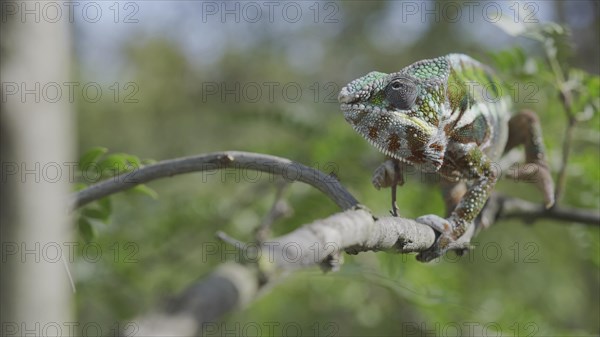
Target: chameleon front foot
x,y
446,240
389,174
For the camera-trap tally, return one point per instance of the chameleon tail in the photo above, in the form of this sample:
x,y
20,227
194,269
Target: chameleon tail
x,y
524,128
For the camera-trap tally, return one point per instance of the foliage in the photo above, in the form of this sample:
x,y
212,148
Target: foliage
x,y
93,167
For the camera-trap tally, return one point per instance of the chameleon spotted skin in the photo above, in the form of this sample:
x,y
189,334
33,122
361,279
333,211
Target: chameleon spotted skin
x,y
443,115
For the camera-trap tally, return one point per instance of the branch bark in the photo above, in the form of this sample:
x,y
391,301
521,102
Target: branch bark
x,y
288,169
511,208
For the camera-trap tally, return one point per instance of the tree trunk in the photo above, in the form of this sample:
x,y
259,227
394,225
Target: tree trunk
x,y
36,146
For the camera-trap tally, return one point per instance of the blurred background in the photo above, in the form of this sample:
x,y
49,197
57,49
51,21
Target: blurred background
x,y
164,79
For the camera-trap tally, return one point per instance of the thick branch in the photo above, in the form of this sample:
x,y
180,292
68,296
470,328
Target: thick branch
x,y
231,286
234,285
321,241
290,170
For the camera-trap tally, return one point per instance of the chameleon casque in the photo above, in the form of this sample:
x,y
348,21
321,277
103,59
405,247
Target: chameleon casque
x,y
452,117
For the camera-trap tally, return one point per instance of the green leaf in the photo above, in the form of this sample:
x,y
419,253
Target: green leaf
x,y
144,189
79,186
105,205
511,60
95,213
99,210
119,163
134,161
91,156
86,230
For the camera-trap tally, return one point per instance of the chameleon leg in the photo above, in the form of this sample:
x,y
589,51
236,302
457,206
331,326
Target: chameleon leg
x,y
389,174
451,230
524,128
452,193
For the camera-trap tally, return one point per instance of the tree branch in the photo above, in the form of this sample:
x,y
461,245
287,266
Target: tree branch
x,y
231,286
530,212
289,170
234,285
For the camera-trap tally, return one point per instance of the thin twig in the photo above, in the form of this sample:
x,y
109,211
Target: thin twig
x,y
528,211
565,95
230,240
566,151
278,210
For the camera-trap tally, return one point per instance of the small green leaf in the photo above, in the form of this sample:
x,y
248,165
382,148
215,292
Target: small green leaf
x,y
134,161
95,213
79,186
99,210
91,156
106,205
144,189
115,162
86,230
119,163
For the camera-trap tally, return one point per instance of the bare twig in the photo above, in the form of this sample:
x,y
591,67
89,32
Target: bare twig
x,y
566,98
562,173
279,209
230,240
289,170
530,212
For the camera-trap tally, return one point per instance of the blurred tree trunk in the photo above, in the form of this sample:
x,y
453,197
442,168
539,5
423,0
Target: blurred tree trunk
x,y
36,147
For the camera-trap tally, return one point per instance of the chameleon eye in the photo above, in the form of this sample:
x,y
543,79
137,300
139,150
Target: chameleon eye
x,y
401,93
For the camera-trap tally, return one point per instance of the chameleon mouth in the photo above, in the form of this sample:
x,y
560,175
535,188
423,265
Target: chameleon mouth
x,y
386,151
346,97
364,108
355,114
351,109
345,107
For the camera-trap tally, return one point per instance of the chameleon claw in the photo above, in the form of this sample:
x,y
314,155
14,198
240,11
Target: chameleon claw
x,y
437,223
445,241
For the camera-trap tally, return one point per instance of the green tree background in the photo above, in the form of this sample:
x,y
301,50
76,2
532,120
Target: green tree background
x,y
530,280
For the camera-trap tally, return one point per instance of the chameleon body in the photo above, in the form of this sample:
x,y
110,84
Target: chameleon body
x,y
449,116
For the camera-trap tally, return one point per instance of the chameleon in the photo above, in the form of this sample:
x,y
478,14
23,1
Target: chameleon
x,y
448,116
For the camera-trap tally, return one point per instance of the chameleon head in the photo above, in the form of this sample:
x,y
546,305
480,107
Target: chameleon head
x,y
399,113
